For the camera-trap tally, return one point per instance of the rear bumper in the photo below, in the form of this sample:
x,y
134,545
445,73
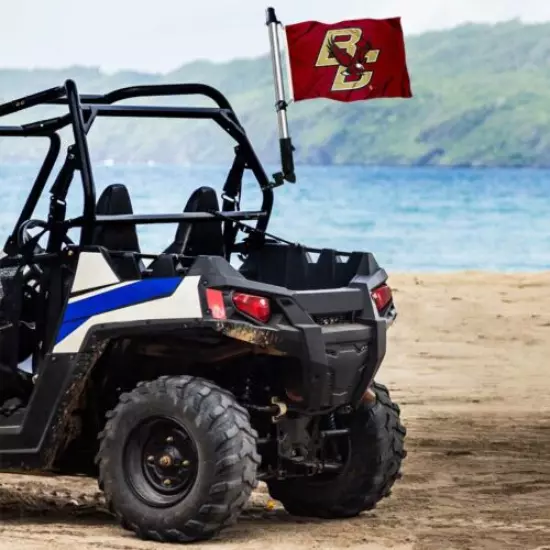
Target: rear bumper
x,y
338,361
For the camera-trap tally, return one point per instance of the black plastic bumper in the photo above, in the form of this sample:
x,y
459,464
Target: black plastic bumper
x,y
339,360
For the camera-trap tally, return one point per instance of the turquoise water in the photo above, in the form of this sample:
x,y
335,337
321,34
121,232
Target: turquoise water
x,y
413,219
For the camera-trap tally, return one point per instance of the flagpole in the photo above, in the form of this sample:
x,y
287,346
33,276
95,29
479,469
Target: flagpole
x,y
287,158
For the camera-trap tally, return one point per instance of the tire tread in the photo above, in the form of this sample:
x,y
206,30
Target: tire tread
x,y
237,457
369,489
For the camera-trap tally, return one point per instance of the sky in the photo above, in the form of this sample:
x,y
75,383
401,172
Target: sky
x,y
161,35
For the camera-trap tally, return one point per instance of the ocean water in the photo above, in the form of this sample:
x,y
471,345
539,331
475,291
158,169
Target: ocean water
x,y
413,219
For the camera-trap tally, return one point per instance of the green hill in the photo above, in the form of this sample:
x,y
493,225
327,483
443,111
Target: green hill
x,y
482,97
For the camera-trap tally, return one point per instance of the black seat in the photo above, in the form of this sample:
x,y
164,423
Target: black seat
x,y
115,200
200,238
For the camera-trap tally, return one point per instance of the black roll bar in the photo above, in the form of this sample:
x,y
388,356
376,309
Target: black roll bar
x,y
83,156
38,187
83,109
26,102
151,90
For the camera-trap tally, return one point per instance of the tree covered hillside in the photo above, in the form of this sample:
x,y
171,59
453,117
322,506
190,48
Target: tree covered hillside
x,y
481,99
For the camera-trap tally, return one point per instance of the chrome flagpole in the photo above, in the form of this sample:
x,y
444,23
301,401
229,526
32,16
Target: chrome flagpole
x,y
287,157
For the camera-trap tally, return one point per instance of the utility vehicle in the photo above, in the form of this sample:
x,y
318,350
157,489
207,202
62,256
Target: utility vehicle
x,y
175,378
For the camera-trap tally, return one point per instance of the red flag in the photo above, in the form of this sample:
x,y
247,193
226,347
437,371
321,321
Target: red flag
x,y
348,61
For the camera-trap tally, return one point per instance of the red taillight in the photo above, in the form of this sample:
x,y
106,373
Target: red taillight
x,y
382,296
214,300
255,306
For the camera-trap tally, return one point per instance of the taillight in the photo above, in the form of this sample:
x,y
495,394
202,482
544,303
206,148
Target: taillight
x,y
214,300
255,306
382,296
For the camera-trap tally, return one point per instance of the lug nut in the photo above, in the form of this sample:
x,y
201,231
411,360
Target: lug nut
x,y
167,483
186,463
150,459
170,439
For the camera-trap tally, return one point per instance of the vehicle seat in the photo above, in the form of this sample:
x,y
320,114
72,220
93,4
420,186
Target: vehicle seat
x,y
199,238
115,200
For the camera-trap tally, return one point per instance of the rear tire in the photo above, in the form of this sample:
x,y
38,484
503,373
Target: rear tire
x,y
177,459
374,462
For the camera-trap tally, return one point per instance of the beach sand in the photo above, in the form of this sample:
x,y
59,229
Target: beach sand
x,y
469,362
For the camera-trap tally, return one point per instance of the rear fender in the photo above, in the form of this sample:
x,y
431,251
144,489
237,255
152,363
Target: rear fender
x,y
63,377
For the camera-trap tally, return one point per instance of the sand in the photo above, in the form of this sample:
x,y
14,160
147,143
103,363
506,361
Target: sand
x,y
469,362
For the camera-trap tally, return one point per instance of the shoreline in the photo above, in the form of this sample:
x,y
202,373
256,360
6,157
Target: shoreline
x,y
269,166
475,273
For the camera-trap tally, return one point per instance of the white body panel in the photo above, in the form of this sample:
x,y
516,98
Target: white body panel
x,y
93,271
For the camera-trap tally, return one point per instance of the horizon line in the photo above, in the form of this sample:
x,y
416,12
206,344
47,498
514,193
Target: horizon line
x,y
101,69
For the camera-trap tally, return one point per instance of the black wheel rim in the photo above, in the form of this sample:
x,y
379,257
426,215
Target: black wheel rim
x,y
160,461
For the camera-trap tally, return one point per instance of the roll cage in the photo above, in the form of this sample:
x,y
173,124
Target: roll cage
x,y
83,111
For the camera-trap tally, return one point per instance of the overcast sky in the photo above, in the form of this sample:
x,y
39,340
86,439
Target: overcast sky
x,y
160,35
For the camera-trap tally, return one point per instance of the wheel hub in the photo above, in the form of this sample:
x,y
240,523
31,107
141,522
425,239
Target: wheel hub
x,y
165,461
161,462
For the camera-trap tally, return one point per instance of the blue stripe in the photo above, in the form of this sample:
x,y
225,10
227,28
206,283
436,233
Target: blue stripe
x,y
67,327
79,312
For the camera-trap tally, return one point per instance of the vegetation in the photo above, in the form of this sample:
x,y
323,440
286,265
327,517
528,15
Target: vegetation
x,y
481,98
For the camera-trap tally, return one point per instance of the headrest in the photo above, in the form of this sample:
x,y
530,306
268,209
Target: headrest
x,y
115,200
201,200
